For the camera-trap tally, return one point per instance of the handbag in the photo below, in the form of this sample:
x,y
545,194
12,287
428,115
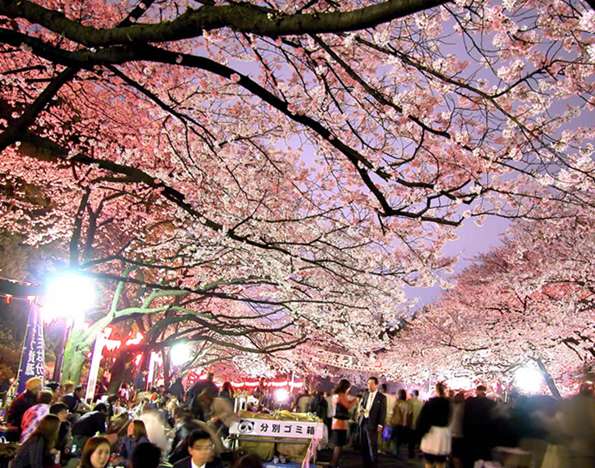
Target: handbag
x,y
387,432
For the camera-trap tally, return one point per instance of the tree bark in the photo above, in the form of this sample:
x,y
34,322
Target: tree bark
x,y
241,17
548,379
121,372
75,354
166,367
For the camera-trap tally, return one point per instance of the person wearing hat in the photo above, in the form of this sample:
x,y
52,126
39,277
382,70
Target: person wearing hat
x,y
24,401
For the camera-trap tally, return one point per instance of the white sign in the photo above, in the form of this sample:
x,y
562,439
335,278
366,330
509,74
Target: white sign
x,y
94,369
276,428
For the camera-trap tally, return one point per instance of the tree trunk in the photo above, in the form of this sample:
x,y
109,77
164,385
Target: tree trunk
x,y
548,379
76,352
121,372
60,350
78,348
166,369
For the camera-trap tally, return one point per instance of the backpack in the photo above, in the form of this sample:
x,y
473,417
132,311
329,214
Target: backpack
x,y
396,418
402,415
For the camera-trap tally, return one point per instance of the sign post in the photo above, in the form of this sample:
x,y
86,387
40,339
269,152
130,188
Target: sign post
x,y
94,369
33,355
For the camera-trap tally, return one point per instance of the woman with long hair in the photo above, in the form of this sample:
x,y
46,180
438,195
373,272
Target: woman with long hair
x,y
227,391
136,434
343,402
433,429
96,453
39,451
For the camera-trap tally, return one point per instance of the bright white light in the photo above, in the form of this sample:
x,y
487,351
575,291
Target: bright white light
x,y
180,354
462,382
68,295
528,379
281,395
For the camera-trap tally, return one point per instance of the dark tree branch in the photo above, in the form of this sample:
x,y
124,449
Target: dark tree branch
x,y
77,229
10,135
241,17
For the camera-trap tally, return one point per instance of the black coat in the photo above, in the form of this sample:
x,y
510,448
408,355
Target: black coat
x,y
436,412
478,419
200,386
377,415
177,389
89,424
17,408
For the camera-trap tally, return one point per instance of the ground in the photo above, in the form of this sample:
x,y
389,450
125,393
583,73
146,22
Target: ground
x,y
354,460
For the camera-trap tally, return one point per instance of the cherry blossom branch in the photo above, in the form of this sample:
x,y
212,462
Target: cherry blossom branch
x,y
240,16
46,148
121,55
9,136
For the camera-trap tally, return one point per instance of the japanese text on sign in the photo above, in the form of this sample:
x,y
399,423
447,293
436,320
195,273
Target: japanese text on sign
x,y
272,428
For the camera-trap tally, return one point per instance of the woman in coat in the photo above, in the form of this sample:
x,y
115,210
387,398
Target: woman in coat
x,y
433,429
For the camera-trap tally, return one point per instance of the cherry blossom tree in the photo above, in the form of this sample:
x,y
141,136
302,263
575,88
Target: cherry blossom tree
x,y
528,301
308,158
164,318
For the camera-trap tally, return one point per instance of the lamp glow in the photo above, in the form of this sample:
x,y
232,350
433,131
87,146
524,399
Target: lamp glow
x,y
180,354
68,295
528,379
281,395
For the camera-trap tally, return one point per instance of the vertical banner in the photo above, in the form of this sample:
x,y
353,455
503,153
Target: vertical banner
x,y
33,356
94,369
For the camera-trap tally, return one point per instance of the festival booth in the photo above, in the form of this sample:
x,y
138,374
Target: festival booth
x,y
248,385
280,435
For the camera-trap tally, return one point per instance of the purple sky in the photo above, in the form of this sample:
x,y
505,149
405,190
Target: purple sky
x,y
473,240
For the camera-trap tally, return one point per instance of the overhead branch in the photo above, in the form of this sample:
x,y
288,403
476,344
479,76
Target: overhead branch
x,y
77,229
239,16
28,117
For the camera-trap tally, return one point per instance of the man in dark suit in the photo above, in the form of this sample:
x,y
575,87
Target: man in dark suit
x,y
201,450
372,418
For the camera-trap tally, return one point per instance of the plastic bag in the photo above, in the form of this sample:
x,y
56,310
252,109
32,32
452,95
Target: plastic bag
x,y
387,433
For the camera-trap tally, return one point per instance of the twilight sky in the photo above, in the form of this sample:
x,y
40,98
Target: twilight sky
x,y
473,240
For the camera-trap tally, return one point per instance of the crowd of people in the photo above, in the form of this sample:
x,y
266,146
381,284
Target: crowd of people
x,y
457,428
55,427
187,429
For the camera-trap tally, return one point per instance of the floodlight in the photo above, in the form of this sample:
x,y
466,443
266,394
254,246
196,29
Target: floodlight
x,y
68,295
180,354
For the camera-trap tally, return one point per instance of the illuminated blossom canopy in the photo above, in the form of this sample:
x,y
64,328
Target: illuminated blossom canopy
x,y
289,167
529,301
